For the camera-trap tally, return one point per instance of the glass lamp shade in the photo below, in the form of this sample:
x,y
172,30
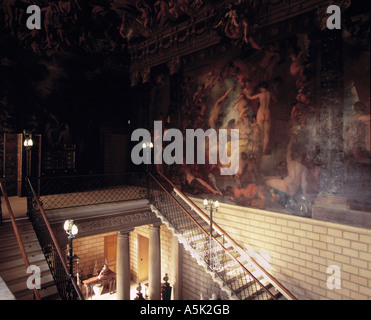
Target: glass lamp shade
x,y
28,142
74,230
66,225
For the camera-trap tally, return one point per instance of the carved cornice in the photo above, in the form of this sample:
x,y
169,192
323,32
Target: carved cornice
x,y
116,222
107,223
198,33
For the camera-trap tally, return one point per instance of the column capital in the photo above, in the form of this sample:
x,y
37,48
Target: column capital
x,y
124,232
155,225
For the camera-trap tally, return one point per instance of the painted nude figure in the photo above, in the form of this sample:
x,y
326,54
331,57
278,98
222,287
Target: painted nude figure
x,y
296,178
263,117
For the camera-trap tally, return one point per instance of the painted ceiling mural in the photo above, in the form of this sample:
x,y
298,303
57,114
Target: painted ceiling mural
x,y
97,25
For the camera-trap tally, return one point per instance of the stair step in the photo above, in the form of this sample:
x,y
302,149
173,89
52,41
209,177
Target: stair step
x,y
48,293
244,282
13,243
18,286
262,294
12,267
222,240
235,278
45,274
47,289
194,237
20,271
231,265
231,252
12,252
33,259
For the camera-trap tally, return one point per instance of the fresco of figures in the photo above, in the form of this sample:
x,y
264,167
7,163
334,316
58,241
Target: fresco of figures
x,y
272,98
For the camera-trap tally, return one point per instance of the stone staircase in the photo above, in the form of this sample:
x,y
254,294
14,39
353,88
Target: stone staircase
x,y
12,267
230,266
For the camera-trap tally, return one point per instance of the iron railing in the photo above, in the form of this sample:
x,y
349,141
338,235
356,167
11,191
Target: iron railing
x,y
195,233
77,191
17,235
70,192
227,239
240,275
66,284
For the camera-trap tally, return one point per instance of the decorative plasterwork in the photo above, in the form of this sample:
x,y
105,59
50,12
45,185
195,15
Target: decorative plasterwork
x,y
116,222
106,223
275,19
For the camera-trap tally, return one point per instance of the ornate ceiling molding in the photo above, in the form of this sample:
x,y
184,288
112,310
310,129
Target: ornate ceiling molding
x,y
275,17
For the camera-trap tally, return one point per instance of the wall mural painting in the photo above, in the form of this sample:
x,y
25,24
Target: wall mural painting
x,y
356,124
271,97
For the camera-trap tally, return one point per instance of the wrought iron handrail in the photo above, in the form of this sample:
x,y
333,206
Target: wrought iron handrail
x,y
17,235
222,233
84,190
184,216
231,272
66,285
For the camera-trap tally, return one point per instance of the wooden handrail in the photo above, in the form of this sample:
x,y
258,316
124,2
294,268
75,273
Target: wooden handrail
x,y
194,207
59,251
221,245
17,235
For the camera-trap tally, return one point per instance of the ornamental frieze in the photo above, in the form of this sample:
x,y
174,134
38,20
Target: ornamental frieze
x,y
116,222
97,225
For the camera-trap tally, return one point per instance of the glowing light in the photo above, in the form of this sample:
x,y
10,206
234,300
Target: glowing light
x,y
74,230
28,142
66,225
70,227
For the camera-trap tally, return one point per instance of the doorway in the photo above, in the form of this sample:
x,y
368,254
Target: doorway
x,y
110,247
143,247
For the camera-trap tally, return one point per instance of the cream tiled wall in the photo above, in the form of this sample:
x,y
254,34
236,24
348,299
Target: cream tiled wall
x,y
298,251
89,250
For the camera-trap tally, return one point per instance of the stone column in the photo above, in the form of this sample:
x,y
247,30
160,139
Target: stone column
x,y
176,269
154,268
123,265
331,198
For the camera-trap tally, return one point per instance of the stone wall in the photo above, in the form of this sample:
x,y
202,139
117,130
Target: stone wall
x,y
197,284
298,251
89,250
